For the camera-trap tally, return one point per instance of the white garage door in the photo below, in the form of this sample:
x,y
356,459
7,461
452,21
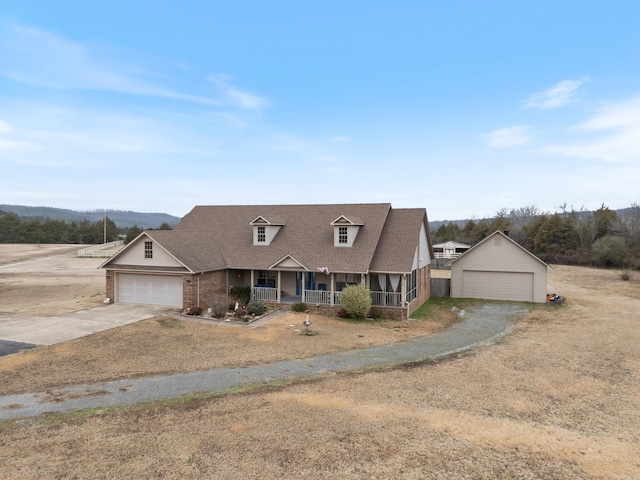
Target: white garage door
x,y
516,286
163,290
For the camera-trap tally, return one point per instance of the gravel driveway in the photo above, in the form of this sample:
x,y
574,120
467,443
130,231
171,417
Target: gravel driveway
x,y
483,326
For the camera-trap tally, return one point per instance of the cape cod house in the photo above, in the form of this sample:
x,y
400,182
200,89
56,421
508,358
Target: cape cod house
x,y
286,253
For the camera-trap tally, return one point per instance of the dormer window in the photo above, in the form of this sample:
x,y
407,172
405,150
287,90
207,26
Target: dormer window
x,y
345,230
343,235
265,229
262,234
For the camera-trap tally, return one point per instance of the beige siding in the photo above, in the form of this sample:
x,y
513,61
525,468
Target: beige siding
x,y
134,255
499,269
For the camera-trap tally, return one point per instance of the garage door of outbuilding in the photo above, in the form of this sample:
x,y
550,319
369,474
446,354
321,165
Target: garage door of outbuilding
x,y
517,286
164,290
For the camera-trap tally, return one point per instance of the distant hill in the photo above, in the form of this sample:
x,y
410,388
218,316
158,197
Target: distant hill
x,y
123,219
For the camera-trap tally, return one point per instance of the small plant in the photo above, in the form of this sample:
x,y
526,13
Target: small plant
x,y
626,276
299,307
241,294
356,300
219,304
342,313
255,307
193,311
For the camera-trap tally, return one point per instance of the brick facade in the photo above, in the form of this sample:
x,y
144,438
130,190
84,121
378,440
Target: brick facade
x,y
110,285
424,289
198,289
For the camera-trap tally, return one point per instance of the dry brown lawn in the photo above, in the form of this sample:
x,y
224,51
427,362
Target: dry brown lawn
x,y
557,398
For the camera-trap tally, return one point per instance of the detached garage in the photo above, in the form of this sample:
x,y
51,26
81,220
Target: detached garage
x,y
499,269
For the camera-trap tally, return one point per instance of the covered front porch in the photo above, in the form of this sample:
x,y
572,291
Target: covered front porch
x,y
322,289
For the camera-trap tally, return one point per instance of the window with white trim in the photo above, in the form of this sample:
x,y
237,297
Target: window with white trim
x,y
148,249
262,234
343,235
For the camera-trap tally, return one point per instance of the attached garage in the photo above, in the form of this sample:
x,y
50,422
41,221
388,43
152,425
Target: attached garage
x,y
164,290
499,269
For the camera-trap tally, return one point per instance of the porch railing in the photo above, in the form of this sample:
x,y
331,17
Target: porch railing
x,y
446,255
265,294
321,297
386,299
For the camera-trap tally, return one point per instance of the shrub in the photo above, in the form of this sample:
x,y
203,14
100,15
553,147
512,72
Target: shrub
x,y
356,300
219,304
611,251
626,276
299,307
241,294
342,313
255,307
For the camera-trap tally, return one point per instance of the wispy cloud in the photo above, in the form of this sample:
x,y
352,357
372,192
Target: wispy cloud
x,y
234,95
517,135
557,96
37,57
619,141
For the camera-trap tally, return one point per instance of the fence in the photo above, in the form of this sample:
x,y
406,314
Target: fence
x,y
440,287
104,250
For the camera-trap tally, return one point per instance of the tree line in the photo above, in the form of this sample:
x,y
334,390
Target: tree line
x,y
602,237
15,229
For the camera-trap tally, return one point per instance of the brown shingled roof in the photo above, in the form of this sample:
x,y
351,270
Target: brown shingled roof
x,y
399,239
219,237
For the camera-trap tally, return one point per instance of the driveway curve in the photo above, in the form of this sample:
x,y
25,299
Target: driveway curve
x,y
483,326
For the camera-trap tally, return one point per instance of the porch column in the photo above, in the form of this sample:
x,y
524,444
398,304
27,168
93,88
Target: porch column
x,y
252,284
304,286
278,290
332,283
403,297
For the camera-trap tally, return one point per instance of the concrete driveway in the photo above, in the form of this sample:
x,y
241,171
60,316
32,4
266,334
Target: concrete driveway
x,y
50,330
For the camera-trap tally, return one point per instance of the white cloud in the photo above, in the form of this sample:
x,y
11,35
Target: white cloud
x,y
37,57
518,135
234,95
557,96
619,126
4,127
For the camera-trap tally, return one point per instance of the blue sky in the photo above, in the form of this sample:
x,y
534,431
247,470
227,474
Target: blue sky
x,y
463,108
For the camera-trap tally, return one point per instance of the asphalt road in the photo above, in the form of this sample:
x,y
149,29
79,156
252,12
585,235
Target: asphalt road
x,y
7,347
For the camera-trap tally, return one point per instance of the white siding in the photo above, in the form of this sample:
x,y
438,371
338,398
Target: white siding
x,y
134,255
165,290
425,257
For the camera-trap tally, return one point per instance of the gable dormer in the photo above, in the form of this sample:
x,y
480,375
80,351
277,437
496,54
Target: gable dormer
x,y
265,229
345,230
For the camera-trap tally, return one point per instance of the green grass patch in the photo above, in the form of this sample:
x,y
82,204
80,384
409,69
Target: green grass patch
x,y
435,305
